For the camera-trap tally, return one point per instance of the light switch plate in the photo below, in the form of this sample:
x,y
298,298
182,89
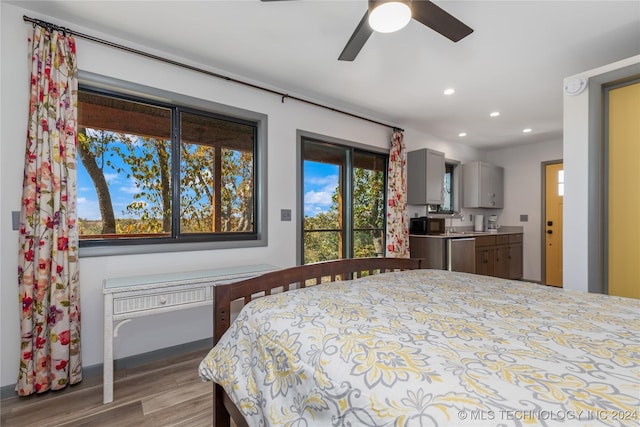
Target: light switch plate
x,y
15,220
285,214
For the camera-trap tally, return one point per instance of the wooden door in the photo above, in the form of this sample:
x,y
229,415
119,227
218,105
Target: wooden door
x,y
623,232
554,195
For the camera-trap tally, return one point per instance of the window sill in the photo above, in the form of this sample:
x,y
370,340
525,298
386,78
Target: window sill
x,y
138,249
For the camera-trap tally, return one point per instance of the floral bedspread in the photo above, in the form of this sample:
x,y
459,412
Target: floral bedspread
x,y
431,347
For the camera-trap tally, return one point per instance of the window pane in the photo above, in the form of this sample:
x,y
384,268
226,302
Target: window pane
x,y
322,246
368,243
344,202
321,196
126,168
216,176
561,182
447,206
368,204
124,185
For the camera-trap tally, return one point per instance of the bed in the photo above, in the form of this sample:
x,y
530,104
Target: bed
x,y
420,347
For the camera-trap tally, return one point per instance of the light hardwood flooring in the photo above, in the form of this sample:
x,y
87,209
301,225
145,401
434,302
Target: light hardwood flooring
x,y
163,393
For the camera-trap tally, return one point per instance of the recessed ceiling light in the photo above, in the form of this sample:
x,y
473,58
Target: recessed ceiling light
x,y
495,114
527,130
462,134
449,91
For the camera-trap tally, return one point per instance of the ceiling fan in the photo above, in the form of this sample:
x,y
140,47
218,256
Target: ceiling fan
x,y
423,11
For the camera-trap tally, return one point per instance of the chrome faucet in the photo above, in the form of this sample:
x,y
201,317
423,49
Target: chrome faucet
x,y
451,229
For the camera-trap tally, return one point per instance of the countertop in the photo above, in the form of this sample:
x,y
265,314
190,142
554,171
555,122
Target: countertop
x,y
461,232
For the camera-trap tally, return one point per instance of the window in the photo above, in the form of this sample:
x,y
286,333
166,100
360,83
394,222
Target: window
x,y
561,182
343,201
450,203
153,172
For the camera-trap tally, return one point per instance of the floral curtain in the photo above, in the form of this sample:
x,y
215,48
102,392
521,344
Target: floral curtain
x,y
397,219
48,239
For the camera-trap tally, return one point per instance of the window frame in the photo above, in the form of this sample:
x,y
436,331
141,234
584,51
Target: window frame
x,y
186,104
348,227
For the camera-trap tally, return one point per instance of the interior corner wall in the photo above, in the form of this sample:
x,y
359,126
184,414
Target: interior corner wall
x,y
523,193
582,153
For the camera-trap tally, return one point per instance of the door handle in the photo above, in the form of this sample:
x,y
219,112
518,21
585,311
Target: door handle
x,y
549,231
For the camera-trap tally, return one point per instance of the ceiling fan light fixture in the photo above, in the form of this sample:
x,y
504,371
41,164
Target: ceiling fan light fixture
x,y
387,16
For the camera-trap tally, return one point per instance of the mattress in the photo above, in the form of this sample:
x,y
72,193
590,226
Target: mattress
x,y
432,347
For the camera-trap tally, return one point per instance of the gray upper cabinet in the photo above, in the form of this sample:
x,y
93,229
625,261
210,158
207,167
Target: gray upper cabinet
x,y
482,185
425,177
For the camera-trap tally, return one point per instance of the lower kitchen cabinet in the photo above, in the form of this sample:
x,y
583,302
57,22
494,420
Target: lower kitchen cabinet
x,y
515,260
484,261
499,256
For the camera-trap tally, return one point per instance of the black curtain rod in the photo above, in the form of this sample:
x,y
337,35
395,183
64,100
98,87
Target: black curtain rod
x,y
283,96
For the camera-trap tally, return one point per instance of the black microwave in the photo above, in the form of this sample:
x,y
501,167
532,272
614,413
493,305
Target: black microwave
x,y
426,225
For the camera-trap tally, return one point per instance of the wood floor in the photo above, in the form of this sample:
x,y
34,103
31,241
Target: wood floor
x,y
164,393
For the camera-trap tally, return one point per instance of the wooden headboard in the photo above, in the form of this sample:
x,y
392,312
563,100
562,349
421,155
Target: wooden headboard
x,y
281,281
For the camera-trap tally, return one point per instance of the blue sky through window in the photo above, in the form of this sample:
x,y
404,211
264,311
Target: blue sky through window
x,y
320,182
121,190
122,185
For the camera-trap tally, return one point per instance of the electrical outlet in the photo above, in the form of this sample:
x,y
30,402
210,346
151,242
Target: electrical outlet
x,y
285,214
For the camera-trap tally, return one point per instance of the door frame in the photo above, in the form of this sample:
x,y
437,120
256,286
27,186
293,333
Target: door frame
x,y
543,214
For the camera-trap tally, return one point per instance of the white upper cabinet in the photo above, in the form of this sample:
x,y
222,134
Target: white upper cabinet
x,y
482,185
425,177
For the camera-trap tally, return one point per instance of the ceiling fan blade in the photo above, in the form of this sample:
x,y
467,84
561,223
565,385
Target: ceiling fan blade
x,y
438,20
357,40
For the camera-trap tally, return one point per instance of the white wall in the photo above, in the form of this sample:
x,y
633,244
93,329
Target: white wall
x,y
582,140
523,195
147,334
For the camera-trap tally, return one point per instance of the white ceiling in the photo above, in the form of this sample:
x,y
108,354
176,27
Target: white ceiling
x,y
514,62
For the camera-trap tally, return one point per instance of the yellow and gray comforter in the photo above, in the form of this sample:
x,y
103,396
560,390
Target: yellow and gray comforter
x,y
430,347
